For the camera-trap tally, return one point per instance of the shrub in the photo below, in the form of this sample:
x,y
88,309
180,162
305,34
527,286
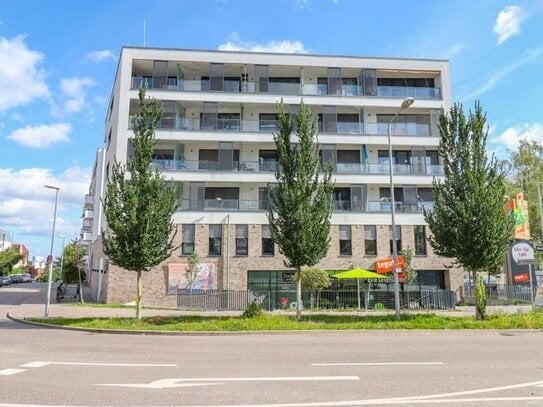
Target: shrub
x,y
379,306
252,311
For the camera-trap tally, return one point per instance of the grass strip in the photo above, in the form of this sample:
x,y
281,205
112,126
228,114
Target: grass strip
x,y
267,322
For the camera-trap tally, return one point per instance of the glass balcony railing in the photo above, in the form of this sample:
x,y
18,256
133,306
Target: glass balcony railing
x,y
266,165
220,204
282,88
406,91
212,124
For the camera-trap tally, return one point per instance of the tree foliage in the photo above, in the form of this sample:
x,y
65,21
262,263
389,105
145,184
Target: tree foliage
x,y
300,203
138,206
72,262
8,259
468,222
314,279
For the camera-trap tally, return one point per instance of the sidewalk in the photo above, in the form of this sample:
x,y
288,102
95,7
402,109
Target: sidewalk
x,y
25,311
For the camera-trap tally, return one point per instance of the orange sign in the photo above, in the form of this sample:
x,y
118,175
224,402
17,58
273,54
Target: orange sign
x,y
385,266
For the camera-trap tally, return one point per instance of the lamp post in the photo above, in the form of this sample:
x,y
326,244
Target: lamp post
x,y
50,275
405,104
62,256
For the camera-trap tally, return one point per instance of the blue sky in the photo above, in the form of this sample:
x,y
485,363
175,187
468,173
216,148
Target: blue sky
x,y
58,61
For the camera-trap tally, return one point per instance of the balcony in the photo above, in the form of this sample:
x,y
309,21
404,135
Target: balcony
x,y
86,225
272,126
86,237
287,88
88,214
89,202
242,205
271,166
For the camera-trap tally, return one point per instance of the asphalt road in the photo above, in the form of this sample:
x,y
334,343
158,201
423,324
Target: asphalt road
x,y
52,367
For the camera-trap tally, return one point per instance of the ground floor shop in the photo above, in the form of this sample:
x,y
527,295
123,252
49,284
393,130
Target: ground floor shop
x,y
276,290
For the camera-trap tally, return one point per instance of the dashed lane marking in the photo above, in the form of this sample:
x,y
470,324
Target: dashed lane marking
x,y
9,372
42,364
377,364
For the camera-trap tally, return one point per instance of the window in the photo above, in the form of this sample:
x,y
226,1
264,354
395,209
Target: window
x,y
242,240
420,240
268,247
398,239
345,242
187,245
215,239
370,240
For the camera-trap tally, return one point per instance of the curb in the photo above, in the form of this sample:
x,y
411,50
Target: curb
x,y
163,333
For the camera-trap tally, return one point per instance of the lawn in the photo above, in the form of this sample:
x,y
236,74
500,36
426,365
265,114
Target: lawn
x,y
267,322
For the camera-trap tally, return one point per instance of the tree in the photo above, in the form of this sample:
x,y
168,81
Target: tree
x,y
301,201
409,273
314,279
8,259
468,221
192,269
139,207
73,252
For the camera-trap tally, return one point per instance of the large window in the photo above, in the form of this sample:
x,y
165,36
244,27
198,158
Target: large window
x,y
370,240
345,242
242,240
398,239
215,240
268,247
187,245
420,240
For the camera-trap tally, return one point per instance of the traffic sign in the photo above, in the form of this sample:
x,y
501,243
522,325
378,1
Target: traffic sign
x,y
539,248
49,260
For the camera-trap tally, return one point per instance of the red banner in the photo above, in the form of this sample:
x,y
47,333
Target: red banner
x,y
385,266
520,278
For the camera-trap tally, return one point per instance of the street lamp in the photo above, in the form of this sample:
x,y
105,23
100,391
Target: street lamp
x,y
405,104
62,256
50,258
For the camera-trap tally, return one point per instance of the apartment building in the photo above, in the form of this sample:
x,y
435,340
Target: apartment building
x,y
215,146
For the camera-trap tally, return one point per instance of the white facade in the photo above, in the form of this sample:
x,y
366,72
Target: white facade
x,y
5,240
215,140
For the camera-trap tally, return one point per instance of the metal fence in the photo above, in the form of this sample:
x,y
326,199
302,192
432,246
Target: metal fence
x,y
325,299
502,292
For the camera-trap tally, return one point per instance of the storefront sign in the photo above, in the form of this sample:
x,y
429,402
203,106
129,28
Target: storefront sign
x,y
385,266
522,253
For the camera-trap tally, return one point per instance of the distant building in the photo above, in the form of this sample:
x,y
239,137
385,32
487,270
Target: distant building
x,y
23,251
5,240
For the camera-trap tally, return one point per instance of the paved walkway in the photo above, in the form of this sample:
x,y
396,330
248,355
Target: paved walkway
x,y
76,311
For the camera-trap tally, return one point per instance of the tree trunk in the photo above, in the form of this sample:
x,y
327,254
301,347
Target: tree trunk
x,y
299,295
138,297
474,278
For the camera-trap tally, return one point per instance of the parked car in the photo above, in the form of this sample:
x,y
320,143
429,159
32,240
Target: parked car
x,y
5,280
16,278
26,278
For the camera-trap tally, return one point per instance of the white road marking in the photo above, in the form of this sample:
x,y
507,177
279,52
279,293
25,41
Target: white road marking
x,y
41,364
9,372
193,381
20,290
377,364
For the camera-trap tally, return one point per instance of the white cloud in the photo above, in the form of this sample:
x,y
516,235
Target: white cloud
x,y
75,90
513,135
508,23
21,80
99,56
505,71
285,47
26,206
42,136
